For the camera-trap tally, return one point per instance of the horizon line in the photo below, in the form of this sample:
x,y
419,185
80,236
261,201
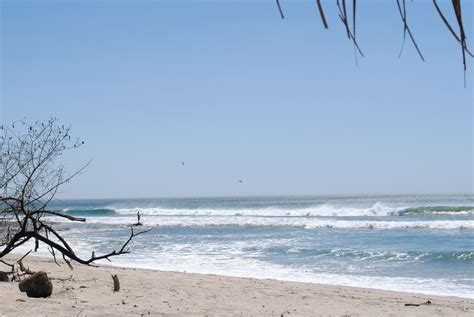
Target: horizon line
x,y
274,195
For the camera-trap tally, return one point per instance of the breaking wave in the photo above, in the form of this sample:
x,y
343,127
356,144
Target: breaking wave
x,y
296,222
325,210
377,216
92,212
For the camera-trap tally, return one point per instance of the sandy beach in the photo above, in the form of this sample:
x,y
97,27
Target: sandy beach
x,y
236,158
88,291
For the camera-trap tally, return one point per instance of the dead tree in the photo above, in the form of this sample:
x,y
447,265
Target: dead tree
x,y
30,176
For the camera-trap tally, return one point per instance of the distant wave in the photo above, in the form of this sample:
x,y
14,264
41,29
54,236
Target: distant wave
x,y
297,222
323,216
91,212
325,210
438,210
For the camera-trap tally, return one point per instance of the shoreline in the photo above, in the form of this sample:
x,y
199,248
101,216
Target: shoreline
x,y
296,280
89,291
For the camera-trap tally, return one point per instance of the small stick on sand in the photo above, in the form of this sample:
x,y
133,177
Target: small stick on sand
x,y
116,283
428,302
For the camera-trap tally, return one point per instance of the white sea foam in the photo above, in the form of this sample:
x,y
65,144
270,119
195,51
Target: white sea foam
x,y
253,221
324,210
323,243
232,258
230,261
183,258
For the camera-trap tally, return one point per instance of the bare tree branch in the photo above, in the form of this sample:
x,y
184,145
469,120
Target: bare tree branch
x,y
279,9
29,180
321,13
406,28
462,35
345,21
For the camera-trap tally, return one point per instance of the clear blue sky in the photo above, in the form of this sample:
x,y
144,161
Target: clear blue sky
x,y
237,93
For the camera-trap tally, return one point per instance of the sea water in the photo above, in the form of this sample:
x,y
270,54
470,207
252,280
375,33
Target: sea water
x,y
407,243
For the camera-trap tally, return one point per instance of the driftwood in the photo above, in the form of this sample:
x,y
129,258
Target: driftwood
x,y
37,285
7,276
428,302
4,276
17,270
24,269
116,282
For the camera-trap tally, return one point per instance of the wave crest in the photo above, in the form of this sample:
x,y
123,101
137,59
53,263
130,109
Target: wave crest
x,y
304,223
92,212
324,210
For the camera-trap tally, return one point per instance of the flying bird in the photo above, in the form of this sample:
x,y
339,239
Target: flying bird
x,y
240,181
182,163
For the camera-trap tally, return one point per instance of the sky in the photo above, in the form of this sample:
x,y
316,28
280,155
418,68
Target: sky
x,y
237,93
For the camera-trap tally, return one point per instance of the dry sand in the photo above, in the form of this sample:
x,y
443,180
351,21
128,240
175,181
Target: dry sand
x,y
88,291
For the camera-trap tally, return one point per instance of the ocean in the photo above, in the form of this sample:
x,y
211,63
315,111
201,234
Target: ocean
x,y
412,243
